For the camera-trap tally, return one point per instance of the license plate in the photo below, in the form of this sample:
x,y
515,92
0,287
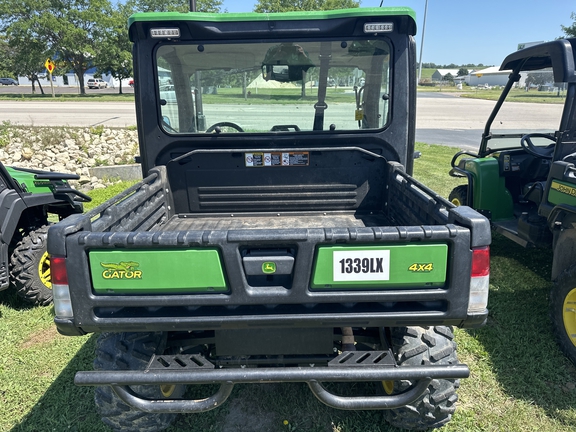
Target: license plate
x,y
361,265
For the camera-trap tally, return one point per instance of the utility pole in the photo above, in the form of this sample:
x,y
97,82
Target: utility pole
x,y
422,43
192,5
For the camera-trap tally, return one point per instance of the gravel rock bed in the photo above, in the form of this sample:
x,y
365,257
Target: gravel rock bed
x,y
68,150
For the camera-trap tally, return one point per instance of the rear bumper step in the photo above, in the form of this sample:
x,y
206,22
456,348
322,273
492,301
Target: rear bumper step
x,y
194,369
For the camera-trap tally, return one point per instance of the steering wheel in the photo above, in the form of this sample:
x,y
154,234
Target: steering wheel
x,y
540,152
218,127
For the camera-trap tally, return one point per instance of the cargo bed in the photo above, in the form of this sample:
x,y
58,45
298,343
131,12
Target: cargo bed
x,y
385,209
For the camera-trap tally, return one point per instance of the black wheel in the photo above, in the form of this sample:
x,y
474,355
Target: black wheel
x,y
459,196
563,312
131,351
224,127
415,346
30,268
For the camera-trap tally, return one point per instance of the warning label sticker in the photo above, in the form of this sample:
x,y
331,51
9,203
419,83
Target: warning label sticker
x,y
276,159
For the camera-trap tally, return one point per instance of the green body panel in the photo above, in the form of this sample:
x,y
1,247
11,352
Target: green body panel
x,y
489,189
285,16
157,271
407,266
562,193
32,185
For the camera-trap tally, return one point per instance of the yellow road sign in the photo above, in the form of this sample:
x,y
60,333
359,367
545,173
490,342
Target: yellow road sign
x,y
50,65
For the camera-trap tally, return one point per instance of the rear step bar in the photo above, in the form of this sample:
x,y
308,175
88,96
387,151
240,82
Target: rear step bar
x,y
195,369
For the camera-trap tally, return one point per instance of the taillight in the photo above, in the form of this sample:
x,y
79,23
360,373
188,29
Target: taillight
x,y
481,262
479,280
60,288
58,271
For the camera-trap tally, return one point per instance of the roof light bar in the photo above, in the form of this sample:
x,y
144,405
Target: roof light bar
x,y
165,33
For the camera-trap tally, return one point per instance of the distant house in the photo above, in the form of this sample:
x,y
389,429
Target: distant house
x,y
439,74
491,76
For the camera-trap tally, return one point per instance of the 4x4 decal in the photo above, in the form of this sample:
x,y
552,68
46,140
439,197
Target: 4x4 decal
x,y
418,267
122,270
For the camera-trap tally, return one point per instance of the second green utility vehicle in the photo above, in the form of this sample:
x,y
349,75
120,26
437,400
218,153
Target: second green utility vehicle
x,y
30,201
524,175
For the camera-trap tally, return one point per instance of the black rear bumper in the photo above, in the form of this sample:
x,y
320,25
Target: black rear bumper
x,y
369,366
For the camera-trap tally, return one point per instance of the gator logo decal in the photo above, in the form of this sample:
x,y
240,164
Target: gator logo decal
x,y
122,270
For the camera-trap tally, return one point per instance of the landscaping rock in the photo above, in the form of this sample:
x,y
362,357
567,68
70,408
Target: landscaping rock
x,y
76,151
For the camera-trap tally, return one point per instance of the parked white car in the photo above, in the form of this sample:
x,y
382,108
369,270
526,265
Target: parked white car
x,y
96,83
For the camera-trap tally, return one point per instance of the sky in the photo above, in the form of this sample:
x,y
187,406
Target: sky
x,y
472,32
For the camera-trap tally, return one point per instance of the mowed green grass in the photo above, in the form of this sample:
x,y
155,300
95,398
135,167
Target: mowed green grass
x,y
292,95
520,381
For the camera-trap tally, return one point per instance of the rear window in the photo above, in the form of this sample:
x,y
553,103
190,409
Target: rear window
x,y
280,87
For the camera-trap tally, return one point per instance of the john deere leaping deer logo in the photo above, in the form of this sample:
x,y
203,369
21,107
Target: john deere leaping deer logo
x,y
122,270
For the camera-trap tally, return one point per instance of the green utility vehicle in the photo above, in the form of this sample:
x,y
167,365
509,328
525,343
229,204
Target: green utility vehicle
x,y
30,201
524,178
277,235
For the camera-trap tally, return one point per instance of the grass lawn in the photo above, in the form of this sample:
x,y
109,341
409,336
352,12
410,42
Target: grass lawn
x,y
520,381
68,97
292,95
515,95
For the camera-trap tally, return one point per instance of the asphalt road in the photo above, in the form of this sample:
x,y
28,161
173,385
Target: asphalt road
x,y
440,119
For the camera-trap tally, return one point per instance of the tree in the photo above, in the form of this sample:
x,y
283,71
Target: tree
x,y
270,6
213,6
28,58
72,29
448,77
570,31
538,78
6,68
462,72
114,54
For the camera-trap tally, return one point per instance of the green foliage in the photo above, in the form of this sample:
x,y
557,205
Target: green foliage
x,y
114,53
538,78
6,65
213,6
28,59
462,72
97,130
570,31
50,137
5,133
269,6
72,29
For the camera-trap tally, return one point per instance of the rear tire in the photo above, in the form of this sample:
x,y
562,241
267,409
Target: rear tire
x,y
30,268
459,196
415,346
563,312
131,351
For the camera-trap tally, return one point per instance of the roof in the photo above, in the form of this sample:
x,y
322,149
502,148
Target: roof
x,y
171,17
492,70
443,72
